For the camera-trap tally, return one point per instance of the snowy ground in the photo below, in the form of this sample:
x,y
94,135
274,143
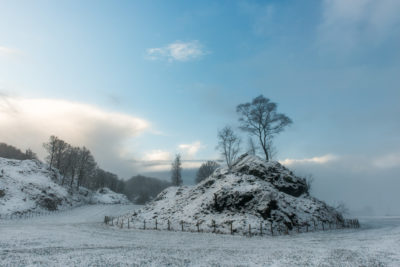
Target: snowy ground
x,y
79,238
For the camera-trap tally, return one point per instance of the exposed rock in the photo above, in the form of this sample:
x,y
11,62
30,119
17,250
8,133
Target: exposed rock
x,y
50,204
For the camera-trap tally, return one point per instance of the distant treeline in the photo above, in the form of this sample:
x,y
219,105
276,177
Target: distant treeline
x,y
11,152
78,167
140,189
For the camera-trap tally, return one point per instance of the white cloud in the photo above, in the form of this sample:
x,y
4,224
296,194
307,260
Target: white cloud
x,y
160,160
348,24
29,122
190,149
387,161
157,155
7,50
316,160
177,51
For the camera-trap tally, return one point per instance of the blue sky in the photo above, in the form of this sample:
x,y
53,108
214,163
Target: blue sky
x,y
138,81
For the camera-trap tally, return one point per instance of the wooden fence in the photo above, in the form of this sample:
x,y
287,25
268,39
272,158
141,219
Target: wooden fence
x,y
263,228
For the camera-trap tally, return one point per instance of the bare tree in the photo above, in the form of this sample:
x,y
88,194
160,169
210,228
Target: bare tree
x,y
74,157
176,171
228,145
69,162
60,149
51,148
205,170
261,119
86,167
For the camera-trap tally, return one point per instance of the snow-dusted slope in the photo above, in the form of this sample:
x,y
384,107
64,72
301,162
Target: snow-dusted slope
x,y
107,196
28,186
253,191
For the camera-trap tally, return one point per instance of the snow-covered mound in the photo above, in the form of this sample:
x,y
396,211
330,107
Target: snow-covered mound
x,y
29,186
107,196
253,191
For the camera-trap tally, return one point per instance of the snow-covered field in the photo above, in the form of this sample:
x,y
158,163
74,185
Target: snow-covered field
x,y
79,238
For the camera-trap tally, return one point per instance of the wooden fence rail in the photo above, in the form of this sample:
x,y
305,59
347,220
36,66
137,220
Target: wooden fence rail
x,y
228,227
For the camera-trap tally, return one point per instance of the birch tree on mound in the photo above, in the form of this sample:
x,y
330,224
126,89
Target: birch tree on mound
x,y
261,119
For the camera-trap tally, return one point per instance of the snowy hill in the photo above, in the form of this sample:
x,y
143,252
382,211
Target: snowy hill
x,y
28,186
253,191
107,196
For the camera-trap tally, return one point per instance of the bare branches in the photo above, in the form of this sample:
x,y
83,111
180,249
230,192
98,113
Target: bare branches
x,y
261,119
228,144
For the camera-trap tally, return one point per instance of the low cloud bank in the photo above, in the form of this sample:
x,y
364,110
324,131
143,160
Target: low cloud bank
x,y
363,183
27,123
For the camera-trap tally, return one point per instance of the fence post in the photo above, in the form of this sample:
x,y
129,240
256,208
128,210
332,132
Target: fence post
x,y
182,225
156,224
249,230
315,228
198,227
214,226
144,224
261,233
128,223
169,225
122,223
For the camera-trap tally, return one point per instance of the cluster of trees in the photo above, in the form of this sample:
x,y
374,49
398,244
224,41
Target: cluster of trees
x,y
78,166
11,152
205,170
260,120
